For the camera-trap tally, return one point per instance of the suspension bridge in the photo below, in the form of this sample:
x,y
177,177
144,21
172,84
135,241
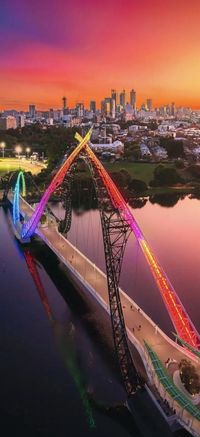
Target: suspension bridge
x,y
117,222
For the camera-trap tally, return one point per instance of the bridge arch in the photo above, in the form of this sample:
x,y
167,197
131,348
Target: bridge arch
x,y
19,186
180,319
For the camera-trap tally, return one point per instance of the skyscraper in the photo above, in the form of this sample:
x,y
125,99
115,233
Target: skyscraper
x,y
133,98
32,111
114,96
122,98
64,102
112,108
93,106
80,109
64,105
149,104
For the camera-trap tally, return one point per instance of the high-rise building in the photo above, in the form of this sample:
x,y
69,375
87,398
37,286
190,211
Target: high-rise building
x,y
51,113
64,105
133,98
173,108
93,106
112,107
122,98
8,122
149,104
64,102
80,109
20,119
32,111
114,96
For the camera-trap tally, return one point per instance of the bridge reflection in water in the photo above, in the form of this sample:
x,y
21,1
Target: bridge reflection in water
x,y
117,221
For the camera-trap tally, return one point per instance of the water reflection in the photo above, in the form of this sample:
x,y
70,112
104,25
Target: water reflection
x,y
64,336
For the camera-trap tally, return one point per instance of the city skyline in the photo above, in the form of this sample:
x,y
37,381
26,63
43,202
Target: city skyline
x,y
82,51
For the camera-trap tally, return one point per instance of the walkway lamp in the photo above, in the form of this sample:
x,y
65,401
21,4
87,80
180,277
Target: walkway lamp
x,y
28,150
18,150
3,146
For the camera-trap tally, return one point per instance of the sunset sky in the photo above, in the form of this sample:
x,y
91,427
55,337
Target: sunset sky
x,y
83,48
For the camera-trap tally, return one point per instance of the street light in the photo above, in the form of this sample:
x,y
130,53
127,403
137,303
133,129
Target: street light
x,y
18,150
28,150
3,145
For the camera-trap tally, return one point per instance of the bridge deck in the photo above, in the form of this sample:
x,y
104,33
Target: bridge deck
x,y
134,318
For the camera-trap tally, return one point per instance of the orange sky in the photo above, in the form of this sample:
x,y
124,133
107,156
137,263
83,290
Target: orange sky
x,y
82,49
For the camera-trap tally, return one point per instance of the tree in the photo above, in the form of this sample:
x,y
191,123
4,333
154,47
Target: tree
x,y
179,163
164,176
137,185
189,377
121,178
173,147
194,170
132,150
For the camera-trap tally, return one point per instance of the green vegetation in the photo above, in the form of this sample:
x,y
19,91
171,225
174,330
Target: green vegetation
x,y
169,386
43,219
137,170
164,176
189,377
173,147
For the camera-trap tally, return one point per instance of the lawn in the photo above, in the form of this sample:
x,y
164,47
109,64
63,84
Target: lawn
x,y
12,164
138,170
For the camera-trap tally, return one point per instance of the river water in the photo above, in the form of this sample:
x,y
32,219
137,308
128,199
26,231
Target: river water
x,y
58,374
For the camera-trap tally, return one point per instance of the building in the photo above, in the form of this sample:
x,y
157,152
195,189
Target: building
x,y
93,106
32,111
133,98
114,96
64,105
8,122
149,104
117,147
51,113
173,108
112,108
20,119
80,109
122,98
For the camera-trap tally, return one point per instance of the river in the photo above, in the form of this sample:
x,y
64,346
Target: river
x,y
58,374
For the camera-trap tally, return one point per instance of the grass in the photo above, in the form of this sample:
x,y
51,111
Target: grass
x,y
12,164
137,170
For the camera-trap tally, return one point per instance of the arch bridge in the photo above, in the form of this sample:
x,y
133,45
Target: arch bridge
x,y
117,222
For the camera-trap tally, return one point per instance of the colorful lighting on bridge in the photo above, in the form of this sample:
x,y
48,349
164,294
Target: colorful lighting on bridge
x,y
20,179
180,319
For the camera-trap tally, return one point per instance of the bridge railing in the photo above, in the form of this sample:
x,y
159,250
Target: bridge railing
x,y
188,414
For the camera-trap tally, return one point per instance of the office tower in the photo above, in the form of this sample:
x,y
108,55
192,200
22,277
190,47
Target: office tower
x,y
80,109
51,113
173,108
114,96
64,100
8,122
149,104
93,106
133,98
112,107
122,98
32,111
20,119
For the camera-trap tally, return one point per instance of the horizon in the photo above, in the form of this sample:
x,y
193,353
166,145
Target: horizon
x,y
82,51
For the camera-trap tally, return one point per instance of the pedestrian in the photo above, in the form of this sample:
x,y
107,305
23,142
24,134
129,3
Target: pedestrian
x,y
138,310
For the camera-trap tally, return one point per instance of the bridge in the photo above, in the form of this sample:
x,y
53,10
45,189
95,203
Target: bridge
x,y
152,344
